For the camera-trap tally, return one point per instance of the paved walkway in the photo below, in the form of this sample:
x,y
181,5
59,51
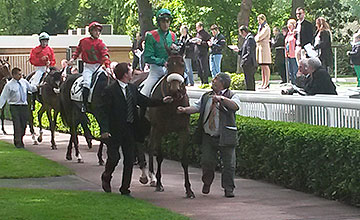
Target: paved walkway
x,y
255,200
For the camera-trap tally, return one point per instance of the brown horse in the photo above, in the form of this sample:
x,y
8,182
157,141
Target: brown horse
x,y
4,76
165,119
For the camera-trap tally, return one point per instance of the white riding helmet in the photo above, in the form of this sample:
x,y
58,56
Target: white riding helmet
x,y
44,36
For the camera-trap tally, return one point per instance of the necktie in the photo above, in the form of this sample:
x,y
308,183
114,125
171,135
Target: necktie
x,y
22,93
212,114
130,106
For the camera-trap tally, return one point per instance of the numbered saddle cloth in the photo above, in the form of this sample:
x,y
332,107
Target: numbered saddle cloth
x,y
77,87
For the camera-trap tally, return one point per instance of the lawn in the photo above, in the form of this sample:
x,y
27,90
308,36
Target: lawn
x,y
38,204
20,163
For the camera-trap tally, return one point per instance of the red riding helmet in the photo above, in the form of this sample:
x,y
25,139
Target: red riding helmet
x,y
95,24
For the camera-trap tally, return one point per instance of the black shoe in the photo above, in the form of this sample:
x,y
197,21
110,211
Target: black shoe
x,y
206,189
229,194
105,183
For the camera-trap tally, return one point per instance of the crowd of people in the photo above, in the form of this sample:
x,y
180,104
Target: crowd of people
x,y
302,57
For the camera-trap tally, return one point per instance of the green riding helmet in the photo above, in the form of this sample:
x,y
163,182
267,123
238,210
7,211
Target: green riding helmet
x,y
163,13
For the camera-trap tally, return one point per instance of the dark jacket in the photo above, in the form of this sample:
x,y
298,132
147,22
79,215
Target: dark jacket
x,y
306,33
113,111
203,48
279,46
218,44
324,47
226,121
248,52
355,55
320,83
187,48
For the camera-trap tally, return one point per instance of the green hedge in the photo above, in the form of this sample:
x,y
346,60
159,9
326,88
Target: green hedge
x,y
315,159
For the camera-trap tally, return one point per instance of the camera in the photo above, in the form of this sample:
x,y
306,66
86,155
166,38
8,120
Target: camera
x,y
288,91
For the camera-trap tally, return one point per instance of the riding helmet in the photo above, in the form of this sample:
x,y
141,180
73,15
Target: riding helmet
x,y
95,24
44,36
163,13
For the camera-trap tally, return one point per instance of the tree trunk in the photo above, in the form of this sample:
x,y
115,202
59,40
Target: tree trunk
x,y
294,5
145,16
243,19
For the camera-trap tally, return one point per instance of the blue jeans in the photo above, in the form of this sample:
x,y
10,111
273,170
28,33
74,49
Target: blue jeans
x,y
189,71
292,68
215,64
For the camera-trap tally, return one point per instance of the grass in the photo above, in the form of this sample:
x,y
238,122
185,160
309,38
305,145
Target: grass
x,y
37,204
20,163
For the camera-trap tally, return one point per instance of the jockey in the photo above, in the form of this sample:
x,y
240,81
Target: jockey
x,y
41,57
94,53
155,52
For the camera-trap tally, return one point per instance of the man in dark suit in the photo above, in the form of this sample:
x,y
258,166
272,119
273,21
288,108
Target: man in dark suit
x,y
248,57
318,80
201,51
304,32
118,119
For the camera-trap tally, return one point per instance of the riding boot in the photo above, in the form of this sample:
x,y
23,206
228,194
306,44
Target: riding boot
x,y
33,98
85,95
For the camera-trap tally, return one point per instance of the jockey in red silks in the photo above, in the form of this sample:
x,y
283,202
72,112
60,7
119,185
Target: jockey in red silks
x,y
94,53
41,57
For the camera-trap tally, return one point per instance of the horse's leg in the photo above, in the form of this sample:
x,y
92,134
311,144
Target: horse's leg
x,y
155,143
76,143
184,144
71,141
99,153
31,124
2,120
52,127
139,151
151,165
87,132
39,116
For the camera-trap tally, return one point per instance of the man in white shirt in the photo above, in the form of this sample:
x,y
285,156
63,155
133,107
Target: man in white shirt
x,y
15,93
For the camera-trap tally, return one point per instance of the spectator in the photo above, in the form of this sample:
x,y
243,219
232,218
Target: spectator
x,y
201,52
322,43
290,42
278,43
217,132
136,48
15,92
248,57
216,44
355,55
318,80
188,53
263,52
304,33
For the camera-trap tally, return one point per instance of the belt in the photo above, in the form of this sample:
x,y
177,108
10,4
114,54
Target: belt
x,y
213,136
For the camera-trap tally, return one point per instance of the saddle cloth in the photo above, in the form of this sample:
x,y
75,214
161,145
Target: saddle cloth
x,y
77,87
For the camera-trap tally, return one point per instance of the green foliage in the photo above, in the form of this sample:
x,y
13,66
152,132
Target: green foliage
x,y
237,81
317,159
34,204
31,165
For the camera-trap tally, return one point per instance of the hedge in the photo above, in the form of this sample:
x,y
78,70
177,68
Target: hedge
x,y
314,159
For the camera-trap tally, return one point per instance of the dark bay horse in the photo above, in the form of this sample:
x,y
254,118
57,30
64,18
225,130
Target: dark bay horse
x,y
4,76
165,120
72,115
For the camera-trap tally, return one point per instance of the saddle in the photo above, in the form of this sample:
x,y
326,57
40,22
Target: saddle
x,y
77,87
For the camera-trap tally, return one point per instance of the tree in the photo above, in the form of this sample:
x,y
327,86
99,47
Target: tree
x,y
145,15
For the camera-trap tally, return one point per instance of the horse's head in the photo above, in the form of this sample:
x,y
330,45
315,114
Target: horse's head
x,y
175,78
5,69
53,78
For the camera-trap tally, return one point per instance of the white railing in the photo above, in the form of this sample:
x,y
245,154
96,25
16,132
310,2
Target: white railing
x,y
327,110
21,61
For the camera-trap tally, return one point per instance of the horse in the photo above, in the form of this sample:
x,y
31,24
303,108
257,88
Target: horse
x,y
73,116
50,100
165,119
4,76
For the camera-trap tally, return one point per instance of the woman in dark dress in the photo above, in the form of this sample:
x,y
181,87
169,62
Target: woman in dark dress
x,y
322,43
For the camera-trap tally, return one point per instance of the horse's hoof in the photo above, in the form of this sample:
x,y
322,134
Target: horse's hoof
x,y
190,195
68,157
143,179
80,161
39,139
35,143
153,183
53,147
4,132
159,189
101,163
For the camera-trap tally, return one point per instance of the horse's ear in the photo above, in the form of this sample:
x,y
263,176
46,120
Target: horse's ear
x,y
7,59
